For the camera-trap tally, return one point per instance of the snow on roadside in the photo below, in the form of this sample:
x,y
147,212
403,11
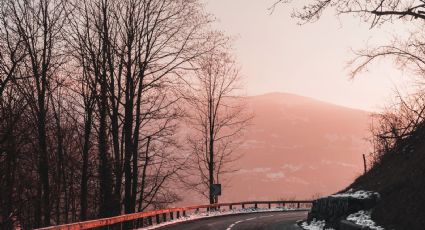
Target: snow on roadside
x,y
360,194
363,218
201,215
315,225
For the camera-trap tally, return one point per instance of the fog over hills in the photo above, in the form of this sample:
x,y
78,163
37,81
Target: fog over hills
x,y
297,147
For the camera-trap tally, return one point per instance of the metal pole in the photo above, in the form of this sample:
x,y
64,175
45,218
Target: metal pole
x,y
364,164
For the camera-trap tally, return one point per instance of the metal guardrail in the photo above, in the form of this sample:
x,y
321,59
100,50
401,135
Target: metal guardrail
x,y
144,219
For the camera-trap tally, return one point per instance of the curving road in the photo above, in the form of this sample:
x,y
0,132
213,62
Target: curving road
x,y
258,221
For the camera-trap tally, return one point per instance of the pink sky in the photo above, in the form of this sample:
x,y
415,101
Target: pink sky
x,y
277,55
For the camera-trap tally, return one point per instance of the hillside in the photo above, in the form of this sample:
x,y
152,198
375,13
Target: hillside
x,y
399,178
297,147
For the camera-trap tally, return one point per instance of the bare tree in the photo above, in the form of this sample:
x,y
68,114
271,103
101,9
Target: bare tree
x,y
400,121
375,12
39,24
217,116
89,112
406,52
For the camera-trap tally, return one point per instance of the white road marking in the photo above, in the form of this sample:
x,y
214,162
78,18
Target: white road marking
x,y
265,216
251,219
240,221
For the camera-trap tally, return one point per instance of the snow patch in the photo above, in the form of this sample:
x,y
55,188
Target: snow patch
x,y
363,218
360,194
315,225
254,170
291,168
342,164
275,175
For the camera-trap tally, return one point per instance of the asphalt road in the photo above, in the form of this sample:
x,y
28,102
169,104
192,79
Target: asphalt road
x,y
258,221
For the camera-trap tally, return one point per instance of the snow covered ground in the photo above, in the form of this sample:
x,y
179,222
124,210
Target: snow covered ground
x,y
360,194
201,215
315,225
363,218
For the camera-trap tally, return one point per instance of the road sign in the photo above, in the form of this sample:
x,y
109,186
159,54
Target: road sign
x,y
215,189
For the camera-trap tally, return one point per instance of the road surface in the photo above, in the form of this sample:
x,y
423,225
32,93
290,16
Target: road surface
x,y
257,221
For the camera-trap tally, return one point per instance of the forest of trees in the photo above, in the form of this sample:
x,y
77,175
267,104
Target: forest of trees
x,y
93,94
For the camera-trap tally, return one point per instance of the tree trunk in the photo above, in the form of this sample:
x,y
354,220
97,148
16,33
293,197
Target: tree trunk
x,y
84,173
211,150
145,166
43,163
128,126
107,203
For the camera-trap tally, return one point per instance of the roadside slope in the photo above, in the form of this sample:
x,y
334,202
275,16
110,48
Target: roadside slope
x,y
400,180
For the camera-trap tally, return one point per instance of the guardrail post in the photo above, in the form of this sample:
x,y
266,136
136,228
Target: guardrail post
x,y
141,222
270,205
178,214
208,209
283,204
230,207
243,206
150,220
197,210
255,205
164,217
157,219
171,216
298,205
184,212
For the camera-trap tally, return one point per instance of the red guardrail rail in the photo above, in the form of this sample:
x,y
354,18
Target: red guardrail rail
x,y
141,219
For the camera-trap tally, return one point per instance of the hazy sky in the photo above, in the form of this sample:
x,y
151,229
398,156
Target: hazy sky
x,y
277,55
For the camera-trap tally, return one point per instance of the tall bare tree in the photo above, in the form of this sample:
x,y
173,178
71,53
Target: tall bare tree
x,y
217,115
39,26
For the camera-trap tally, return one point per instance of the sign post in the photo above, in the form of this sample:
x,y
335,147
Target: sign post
x,y
215,191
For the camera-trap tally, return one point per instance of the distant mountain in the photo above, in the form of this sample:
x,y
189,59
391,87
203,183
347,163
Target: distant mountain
x,y
298,147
